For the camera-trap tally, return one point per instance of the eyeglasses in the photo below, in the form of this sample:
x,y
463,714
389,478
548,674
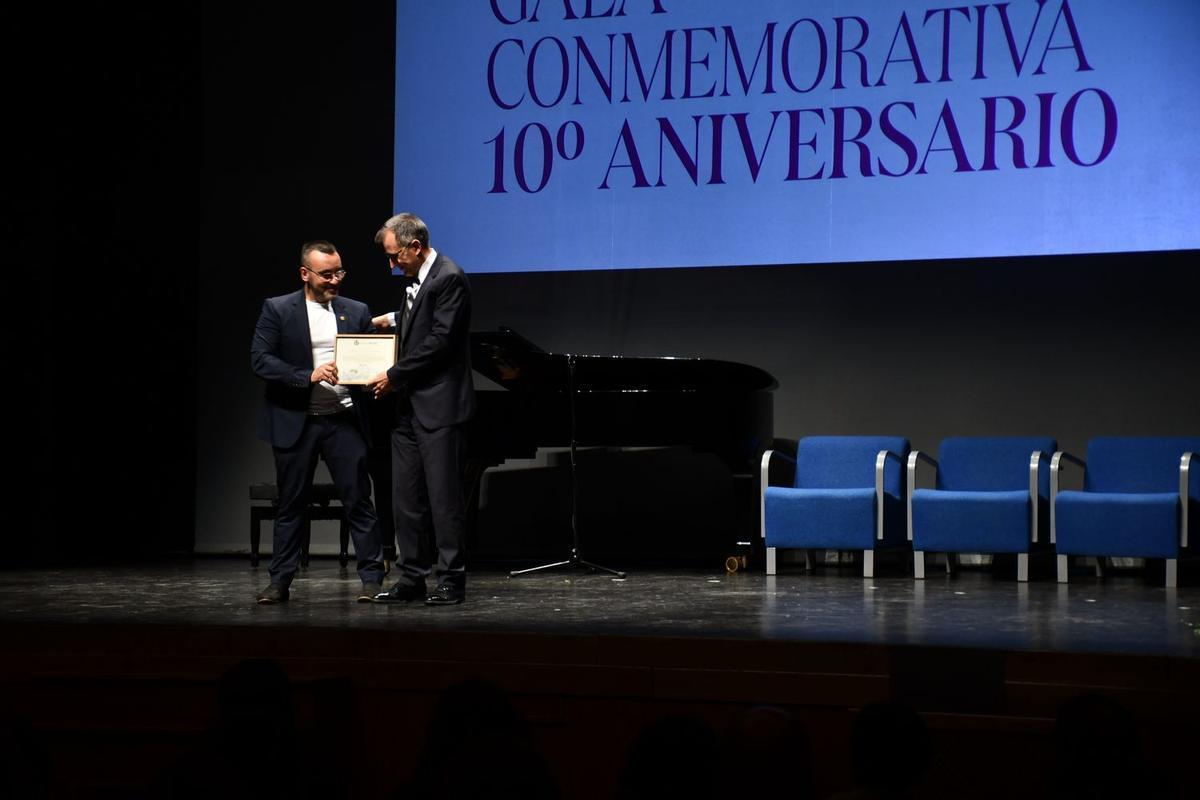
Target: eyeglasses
x,y
329,276
395,257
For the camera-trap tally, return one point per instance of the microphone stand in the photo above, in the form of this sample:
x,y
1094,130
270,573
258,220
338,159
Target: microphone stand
x,y
576,560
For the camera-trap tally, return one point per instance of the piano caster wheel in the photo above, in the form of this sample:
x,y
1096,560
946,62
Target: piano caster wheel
x,y
734,563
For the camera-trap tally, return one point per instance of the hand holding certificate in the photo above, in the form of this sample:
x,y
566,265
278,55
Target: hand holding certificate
x,y
362,356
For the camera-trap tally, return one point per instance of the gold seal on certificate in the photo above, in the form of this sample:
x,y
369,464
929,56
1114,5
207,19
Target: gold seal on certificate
x,y
362,356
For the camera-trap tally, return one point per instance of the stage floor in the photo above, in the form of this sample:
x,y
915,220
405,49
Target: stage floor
x,y
1119,614
116,669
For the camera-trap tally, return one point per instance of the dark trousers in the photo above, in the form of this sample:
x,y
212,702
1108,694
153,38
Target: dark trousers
x,y
428,502
338,440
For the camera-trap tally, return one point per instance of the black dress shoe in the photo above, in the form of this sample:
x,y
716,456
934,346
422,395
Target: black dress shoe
x,y
446,595
401,592
273,594
369,590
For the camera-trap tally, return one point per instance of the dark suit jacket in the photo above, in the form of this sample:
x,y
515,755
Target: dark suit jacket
x,y
281,354
434,366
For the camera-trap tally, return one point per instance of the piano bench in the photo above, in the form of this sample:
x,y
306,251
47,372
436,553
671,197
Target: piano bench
x,y
319,500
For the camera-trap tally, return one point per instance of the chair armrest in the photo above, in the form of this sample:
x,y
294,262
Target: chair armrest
x,y
768,456
1055,467
765,464
1185,466
881,459
1035,466
764,480
914,457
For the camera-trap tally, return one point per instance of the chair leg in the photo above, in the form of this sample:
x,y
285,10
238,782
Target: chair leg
x,y
1099,566
344,542
810,560
1063,568
1172,577
255,536
868,563
1022,567
770,560
950,563
305,541
919,565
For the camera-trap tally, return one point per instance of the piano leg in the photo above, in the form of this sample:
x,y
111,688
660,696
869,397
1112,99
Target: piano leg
x,y
747,541
472,482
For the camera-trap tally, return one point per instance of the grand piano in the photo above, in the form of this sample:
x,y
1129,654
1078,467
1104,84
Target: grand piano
x,y
555,399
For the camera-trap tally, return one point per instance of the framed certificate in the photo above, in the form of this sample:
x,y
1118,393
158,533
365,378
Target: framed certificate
x,y
362,356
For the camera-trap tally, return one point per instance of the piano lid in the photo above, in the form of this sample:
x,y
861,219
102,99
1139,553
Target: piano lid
x,y
516,363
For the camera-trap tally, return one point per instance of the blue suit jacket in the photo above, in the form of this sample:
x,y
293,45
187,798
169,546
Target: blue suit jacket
x,y
281,354
434,366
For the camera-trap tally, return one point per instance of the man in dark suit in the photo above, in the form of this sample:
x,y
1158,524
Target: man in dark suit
x,y
307,414
434,400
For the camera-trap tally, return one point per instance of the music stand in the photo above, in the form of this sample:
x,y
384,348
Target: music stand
x,y
575,560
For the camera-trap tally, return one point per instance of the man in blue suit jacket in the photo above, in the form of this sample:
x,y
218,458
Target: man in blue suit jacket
x,y
307,414
435,399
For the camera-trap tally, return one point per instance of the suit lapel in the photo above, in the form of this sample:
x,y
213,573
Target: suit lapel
x,y
339,312
299,323
434,269
406,319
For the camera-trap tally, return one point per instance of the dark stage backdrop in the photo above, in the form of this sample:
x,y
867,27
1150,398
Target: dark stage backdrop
x,y
214,149
104,165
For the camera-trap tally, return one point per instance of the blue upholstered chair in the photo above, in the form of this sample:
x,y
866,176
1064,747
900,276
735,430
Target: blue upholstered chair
x,y
1135,499
987,498
846,496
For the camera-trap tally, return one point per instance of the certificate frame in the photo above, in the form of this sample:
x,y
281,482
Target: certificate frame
x,y
362,356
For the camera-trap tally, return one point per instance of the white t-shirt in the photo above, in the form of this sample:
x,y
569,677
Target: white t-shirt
x,y
322,329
